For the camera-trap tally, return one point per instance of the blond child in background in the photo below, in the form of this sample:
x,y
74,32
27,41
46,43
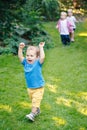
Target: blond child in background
x,y
33,74
64,27
73,21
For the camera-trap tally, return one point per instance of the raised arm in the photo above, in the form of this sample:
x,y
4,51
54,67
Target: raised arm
x,y
42,54
20,51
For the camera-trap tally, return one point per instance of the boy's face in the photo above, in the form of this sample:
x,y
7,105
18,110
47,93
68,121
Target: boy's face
x,y
31,56
63,16
69,13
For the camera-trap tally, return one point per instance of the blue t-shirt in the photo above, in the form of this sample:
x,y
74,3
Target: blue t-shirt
x,y
33,74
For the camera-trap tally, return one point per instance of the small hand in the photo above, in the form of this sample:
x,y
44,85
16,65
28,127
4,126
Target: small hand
x,y
41,44
22,45
57,26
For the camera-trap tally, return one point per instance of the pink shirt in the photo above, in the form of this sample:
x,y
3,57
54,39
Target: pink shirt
x,y
64,27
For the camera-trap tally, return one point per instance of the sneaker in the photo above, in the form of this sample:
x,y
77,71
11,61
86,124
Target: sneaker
x,y
72,40
30,116
37,112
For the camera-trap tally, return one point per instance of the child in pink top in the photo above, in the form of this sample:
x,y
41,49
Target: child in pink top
x,y
64,27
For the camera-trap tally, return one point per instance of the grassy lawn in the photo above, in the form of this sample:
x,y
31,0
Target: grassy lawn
x,y
64,106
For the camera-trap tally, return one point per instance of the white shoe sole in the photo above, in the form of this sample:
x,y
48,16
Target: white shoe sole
x,y
29,117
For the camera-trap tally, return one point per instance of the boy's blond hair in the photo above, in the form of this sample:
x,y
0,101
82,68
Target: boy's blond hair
x,y
63,13
35,48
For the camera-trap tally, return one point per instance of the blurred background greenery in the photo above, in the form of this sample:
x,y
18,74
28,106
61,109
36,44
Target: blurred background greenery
x,y
21,20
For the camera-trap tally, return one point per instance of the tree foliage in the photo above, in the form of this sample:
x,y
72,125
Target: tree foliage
x,y
20,20
76,4
8,15
28,12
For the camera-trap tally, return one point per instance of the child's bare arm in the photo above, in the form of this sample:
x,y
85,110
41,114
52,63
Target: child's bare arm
x,y
20,51
42,54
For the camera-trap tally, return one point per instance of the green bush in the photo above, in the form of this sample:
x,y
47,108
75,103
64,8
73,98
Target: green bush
x,y
48,41
23,23
5,50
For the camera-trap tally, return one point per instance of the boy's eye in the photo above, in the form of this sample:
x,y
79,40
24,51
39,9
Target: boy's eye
x,y
31,55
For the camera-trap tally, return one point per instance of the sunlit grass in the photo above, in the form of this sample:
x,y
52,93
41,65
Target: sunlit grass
x,y
64,106
25,104
59,121
80,107
5,107
82,34
52,88
82,128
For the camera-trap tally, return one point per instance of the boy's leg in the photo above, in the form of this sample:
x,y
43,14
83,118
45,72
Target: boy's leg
x,y
31,115
31,93
36,99
72,36
63,39
68,39
36,96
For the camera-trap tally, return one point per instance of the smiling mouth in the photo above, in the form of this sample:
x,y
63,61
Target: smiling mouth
x,y
30,61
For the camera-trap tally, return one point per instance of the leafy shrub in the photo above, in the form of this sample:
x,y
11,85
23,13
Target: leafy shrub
x,y
48,41
49,9
12,44
5,50
23,24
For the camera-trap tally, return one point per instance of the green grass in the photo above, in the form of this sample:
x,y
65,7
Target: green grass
x,y
64,106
